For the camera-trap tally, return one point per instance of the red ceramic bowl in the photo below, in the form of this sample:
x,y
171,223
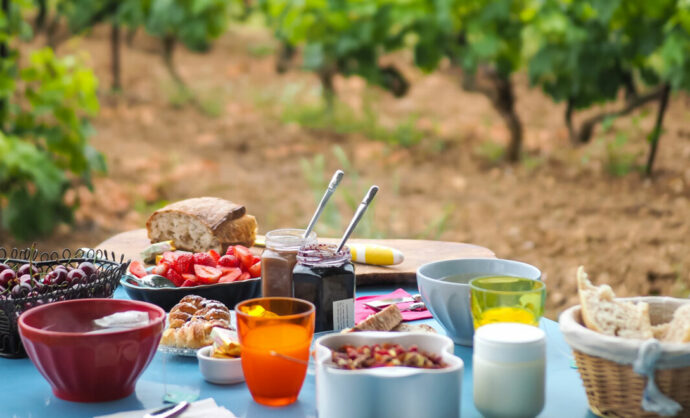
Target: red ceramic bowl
x,y
85,367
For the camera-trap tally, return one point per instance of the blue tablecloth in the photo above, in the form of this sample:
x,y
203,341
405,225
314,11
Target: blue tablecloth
x,y
24,392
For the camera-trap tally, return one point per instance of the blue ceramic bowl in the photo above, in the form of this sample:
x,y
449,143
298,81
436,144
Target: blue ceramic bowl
x,y
229,294
449,300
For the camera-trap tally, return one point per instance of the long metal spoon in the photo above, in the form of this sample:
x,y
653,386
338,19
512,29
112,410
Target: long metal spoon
x,y
358,215
335,180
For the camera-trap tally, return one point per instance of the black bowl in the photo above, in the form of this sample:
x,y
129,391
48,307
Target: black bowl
x,y
229,294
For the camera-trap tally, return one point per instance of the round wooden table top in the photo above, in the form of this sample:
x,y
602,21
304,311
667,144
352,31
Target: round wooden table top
x,y
417,253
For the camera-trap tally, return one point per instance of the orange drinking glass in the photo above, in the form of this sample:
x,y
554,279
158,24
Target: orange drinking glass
x,y
275,348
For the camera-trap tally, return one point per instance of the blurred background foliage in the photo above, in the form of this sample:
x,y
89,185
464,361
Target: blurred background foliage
x,y
583,53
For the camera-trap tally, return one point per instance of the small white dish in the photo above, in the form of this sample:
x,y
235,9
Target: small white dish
x,y
222,371
402,392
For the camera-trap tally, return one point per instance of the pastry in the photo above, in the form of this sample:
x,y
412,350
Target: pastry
x,y
192,320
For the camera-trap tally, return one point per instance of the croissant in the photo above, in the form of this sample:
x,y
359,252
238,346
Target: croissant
x,y
191,322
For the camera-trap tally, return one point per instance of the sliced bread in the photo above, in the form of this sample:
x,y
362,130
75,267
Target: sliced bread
x,y
385,320
601,312
679,327
201,224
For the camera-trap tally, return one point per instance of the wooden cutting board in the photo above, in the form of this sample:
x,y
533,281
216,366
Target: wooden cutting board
x,y
417,252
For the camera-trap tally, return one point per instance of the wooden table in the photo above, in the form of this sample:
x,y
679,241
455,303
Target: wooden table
x,y
417,252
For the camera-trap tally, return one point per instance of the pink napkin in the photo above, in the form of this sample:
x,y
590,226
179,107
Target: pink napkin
x,y
362,311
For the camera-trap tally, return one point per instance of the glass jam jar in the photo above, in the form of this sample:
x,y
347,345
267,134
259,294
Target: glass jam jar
x,y
279,258
326,278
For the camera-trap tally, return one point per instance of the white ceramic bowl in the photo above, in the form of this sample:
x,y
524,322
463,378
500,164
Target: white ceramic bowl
x,y
222,371
399,392
449,302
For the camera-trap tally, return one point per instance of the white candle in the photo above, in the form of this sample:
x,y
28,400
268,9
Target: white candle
x,y
509,370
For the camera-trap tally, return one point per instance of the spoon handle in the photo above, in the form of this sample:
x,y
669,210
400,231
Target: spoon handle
x,y
358,215
335,180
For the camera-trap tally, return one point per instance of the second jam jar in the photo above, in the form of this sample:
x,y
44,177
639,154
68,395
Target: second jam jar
x,y
279,258
326,278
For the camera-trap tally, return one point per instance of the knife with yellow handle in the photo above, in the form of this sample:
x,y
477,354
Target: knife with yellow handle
x,y
378,255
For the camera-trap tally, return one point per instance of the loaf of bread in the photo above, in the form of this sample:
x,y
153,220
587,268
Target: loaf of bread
x,y
601,312
202,224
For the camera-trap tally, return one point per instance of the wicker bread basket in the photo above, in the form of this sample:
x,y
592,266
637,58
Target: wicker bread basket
x,y
604,362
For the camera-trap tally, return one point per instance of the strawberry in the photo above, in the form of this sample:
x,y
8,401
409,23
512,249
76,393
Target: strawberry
x,y
246,258
255,270
244,276
189,283
230,250
207,274
169,257
183,263
174,277
230,276
214,255
190,276
137,269
204,259
228,261
161,268
227,270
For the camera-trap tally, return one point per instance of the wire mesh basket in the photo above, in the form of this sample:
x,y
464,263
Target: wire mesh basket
x,y
100,281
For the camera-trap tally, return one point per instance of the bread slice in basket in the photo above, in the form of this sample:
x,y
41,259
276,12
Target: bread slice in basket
x,y
601,312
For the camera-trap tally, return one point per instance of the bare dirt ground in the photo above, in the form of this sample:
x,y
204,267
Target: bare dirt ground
x,y
558,209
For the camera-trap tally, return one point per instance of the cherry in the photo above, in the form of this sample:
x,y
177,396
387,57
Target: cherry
x,y
6,276
20,290
28,269
87,268
56,277
4,267
75,276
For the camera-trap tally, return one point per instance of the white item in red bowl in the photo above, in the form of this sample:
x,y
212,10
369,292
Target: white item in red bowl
x,y
222,371
388,391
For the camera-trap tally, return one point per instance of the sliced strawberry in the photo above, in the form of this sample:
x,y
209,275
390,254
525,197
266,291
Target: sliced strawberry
x,y
189,283
190,276
244,276
137,269
246,258
230,276
161,269
183,263
230,250
255,270
228,261
204,259
227,270
174,277
214,254
169,257
207,274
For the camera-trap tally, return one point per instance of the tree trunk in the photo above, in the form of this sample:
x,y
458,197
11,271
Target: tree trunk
x,y
569,121
656,133
499,90
115,56
169,43
40,21
326,78
587,127
285,54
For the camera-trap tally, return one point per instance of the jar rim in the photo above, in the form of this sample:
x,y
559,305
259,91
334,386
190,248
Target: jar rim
x,y
288,238
323,255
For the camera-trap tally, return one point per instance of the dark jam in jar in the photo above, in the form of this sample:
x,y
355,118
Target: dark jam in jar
x,y
326,278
